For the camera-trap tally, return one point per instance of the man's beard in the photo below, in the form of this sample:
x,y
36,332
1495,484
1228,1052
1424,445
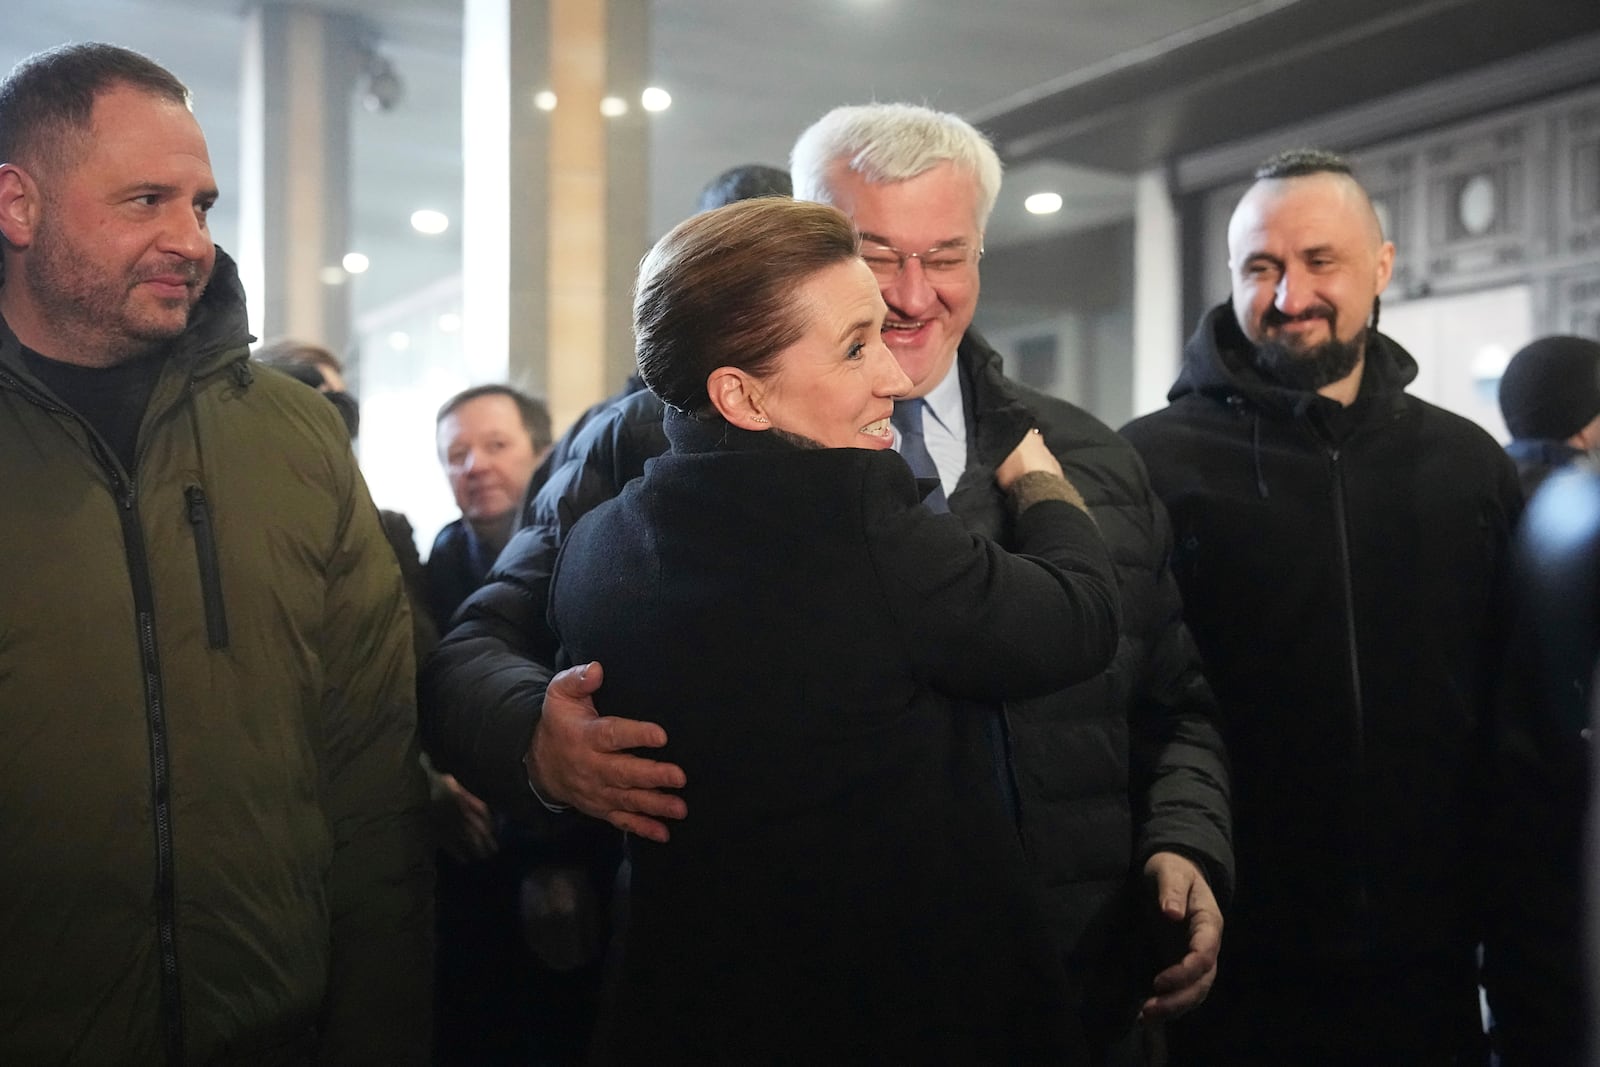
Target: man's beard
x,y
90,302
1311,368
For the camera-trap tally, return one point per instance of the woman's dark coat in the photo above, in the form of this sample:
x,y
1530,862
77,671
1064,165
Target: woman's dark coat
x,y
816,644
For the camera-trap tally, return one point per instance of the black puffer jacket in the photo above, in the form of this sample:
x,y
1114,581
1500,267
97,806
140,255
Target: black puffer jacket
x,y
1341,570
1107,772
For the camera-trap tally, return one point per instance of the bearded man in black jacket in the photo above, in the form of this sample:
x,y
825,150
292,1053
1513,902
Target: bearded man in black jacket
x,y
1118,785
1342,548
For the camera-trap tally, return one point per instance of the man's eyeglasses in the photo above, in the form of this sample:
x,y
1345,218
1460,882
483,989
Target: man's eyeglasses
x,y
887,261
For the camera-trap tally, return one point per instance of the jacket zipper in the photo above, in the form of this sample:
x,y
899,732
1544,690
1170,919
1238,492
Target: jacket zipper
x,y
124,492
1358,711
205,548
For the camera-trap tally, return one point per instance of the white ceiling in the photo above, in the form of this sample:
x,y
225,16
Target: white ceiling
x,y
745,78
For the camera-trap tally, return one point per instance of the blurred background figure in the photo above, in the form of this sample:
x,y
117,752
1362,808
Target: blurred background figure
x,y
1533,966
1550,398
745,182
318,368
501,992
491,437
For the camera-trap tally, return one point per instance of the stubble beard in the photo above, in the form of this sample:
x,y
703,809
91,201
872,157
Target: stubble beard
x,y
90,308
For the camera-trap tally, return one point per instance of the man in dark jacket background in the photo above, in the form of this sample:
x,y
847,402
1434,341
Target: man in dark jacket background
x,y
1550,398
215,834
1115,782
1342,550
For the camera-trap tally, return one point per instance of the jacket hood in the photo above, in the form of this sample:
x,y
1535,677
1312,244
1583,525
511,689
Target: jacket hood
x,y
1217,364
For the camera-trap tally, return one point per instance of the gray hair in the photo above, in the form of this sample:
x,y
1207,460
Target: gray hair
x,y
892,143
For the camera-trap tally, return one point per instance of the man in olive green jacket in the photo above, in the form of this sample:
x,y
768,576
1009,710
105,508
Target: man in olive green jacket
x,y
213,833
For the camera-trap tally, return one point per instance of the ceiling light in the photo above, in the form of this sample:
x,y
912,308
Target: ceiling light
x,y
427,220
1043,203
544,100
399,340
654,99
449,322
356,263
613,106
332,275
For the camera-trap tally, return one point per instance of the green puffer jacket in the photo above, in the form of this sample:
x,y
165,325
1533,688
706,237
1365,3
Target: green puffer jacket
x,y
212,821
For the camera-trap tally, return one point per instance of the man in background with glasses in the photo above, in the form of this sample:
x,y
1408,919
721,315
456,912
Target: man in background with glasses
x,y
1119,785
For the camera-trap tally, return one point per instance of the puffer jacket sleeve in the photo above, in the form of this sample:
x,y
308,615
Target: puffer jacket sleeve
x,y
483,688
380,885
1179,772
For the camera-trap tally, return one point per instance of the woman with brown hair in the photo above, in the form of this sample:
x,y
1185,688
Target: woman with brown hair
x,y
823,653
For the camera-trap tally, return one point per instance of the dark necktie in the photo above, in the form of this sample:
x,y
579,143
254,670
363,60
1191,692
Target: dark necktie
x,y
907,419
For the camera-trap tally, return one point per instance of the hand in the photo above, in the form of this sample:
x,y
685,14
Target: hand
x,y
581,759
1183,896
1031,454
462,825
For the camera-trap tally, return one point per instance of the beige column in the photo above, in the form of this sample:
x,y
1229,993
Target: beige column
x,y
555,199
297,75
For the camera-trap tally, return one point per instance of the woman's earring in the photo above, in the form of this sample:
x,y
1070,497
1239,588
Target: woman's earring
x,y
759,418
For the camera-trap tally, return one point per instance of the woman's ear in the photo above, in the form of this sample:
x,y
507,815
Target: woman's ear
x,y
737,397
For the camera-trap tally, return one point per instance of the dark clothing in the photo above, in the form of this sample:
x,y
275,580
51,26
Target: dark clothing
x,y
561,450
496,1000
1342,569
1537,459
215,831
1107,772
457,565
110,399
1533,964
814,642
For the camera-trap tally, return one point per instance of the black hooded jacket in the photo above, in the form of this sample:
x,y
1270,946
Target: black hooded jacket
x,y
1342,570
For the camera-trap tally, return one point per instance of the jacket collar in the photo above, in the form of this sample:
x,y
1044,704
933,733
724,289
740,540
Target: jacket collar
x,y
693,436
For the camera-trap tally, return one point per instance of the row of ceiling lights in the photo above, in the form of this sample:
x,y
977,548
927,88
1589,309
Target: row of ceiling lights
x,y
431,222
652,99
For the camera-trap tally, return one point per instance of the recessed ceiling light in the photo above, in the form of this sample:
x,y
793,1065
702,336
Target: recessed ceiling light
x,y
332,275
356,263
654,99
449,322
399,340
613,106
427,220
1043,203
544,100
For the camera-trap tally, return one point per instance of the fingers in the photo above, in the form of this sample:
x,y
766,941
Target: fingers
x,y
578,682
612,734
1186,993
640,826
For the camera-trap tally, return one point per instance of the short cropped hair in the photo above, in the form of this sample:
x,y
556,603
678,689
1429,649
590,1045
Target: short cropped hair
x,y
535,415
47,101
744,182
892,143
718,291
1299,162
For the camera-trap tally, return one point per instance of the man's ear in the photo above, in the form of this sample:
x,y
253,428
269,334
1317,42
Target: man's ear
x,y
19,205
737,397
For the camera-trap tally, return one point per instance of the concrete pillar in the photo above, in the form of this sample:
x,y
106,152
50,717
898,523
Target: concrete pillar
x,y
1157,291
555,200
298,72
